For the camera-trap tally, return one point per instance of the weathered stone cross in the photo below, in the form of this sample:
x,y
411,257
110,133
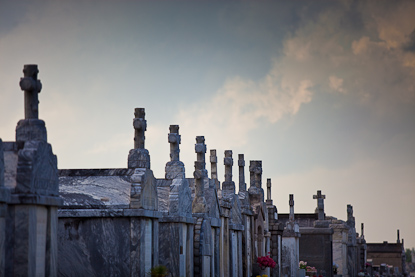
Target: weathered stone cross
x,y
140,126
241,164
31,86
228,162
291,202
320,204
268,189
174,140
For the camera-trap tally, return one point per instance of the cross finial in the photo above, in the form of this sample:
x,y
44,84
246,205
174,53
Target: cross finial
x,y
268,189
291,202
31,86
140,126
241,164
320,204
213,164
228,162
174,140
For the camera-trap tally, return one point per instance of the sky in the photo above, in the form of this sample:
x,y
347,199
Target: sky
x,y
323,92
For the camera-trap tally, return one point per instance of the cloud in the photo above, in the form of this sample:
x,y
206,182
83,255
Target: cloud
x,y
241,104
336,83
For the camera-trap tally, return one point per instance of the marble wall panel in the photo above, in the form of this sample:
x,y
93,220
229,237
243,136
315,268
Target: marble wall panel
x,y
94,246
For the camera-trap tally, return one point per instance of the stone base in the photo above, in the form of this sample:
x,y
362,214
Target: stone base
x,y
31,129
139,158
175,170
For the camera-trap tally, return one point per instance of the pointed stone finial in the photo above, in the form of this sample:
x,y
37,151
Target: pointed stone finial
x,y
320,204
140,126
291,202
241,164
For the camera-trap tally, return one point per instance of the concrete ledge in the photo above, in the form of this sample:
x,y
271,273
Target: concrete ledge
x,y
177,219
35,200
316,231
96,172
108,213
236,227
215,222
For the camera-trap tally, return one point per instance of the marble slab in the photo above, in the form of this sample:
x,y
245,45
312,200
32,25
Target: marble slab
x,y
95,191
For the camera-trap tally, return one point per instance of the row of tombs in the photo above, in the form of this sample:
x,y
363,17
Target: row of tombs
x,y
126,222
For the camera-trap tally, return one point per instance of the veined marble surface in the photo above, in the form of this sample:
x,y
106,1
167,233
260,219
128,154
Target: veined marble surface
x,y
89,190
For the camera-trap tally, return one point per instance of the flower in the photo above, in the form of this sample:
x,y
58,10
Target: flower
x,y
265,262
303,265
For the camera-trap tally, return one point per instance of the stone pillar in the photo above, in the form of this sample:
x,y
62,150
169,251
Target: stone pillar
x,y
290,244
143,193
228,186
31,239
175,168
214,170
4,198
200,173
352,243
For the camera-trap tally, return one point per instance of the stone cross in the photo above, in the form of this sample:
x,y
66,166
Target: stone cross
x,y
228,162
241,164
363,229
213,164
268,189
174,140
350,217
255,173
320,204
140,126
31,87
200,149
291,202
200,173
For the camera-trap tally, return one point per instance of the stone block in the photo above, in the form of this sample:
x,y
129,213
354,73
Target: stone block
x,y
31,129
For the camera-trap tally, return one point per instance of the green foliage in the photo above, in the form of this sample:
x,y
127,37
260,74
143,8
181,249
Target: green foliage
x,y
158,271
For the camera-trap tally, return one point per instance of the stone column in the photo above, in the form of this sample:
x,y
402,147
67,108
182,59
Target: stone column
x,y
290,244
143,194
4,198
31,239
228,186
200,173
175,168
